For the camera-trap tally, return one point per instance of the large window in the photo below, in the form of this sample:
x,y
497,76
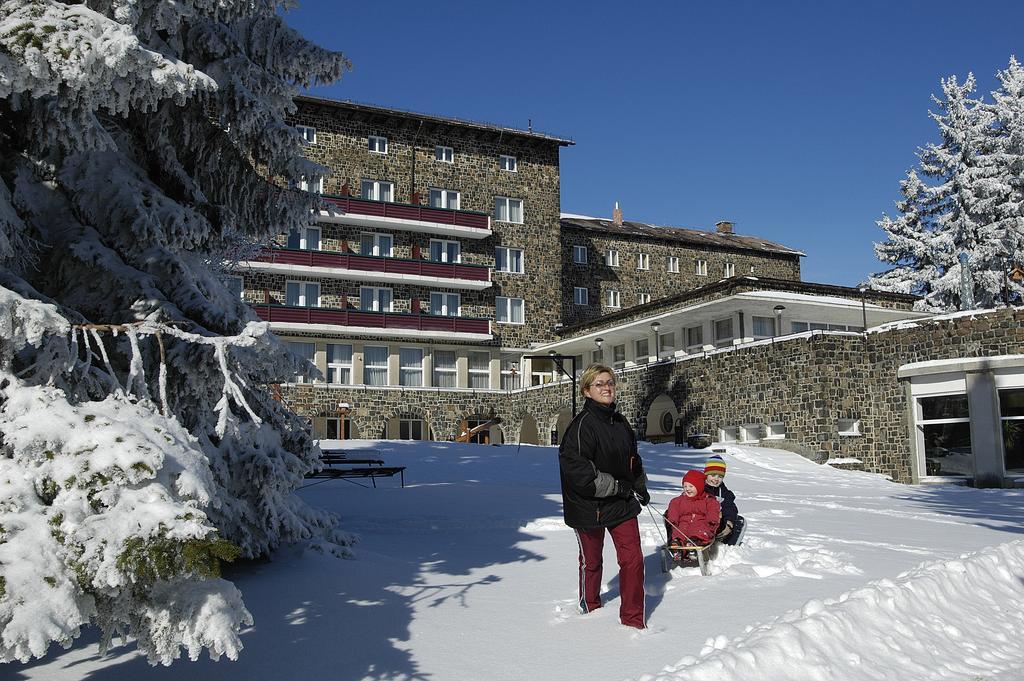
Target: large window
x,y
375,365
701,268
374,299
579,255
508,210
1011,414
510,378
508,163
307,239
339,363
378,144
611,258
695,338
375,190
442,250
667,343
618,356
376,244
612,298
306,351
508,260
479,370
580,296
444,198
509,310
672,264
723,332
945,423
445,304
764,327
410,427
643,261
729,270
444,154
410,366
444,369
302,293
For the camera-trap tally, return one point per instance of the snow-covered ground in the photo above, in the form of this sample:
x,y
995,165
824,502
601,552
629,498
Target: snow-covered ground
x,y
469,573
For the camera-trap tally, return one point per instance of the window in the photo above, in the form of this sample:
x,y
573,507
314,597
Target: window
x,y
596,356
334,429
612,298
302,294
376,244
1011,415
307,134
579,255
444,198
378,145
800,327
673,264
611,258
444,368
509,310
410,428
510,379
643,350
235,285
643,298
306,351
945,424
580,296
643,261
723,332
667,343
508,210
374,299
701,268
312,183
375,365
410,366
776,430
750,432
619,356
479,370
694,338
848,427
729,270
307,239
339,363
729,434
508,163
508,260
376,190
445,251
445,304
444,154
764,327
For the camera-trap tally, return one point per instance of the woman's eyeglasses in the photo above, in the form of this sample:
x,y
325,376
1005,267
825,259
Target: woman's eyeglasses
x,y
601,384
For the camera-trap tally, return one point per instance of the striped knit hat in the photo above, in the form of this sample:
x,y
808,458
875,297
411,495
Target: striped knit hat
x,y
715,464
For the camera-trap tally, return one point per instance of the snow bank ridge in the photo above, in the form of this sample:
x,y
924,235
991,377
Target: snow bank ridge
x,y
951,619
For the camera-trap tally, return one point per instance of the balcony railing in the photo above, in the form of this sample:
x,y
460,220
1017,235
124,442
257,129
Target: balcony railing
x,y
370,263
397,321
402,211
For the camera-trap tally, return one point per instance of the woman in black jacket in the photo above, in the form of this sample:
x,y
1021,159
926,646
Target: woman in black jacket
x,y
603,486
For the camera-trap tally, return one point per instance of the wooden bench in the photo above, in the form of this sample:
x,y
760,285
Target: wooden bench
x,y
332,459
372,472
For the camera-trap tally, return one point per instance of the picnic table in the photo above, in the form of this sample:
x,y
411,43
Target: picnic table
x,y
337,464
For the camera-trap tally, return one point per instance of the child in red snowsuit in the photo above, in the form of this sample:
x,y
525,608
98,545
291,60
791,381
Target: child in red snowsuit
x,y
694,514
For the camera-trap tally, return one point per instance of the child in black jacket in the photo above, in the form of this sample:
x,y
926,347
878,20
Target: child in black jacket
x,y
730,529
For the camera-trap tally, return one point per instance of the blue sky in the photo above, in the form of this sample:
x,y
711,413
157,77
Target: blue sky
x,y
794,119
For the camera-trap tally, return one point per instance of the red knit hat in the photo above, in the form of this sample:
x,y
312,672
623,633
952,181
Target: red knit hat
x,y
695,478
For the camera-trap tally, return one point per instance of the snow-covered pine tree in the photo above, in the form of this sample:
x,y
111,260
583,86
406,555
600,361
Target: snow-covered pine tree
x,y
138,446
956,211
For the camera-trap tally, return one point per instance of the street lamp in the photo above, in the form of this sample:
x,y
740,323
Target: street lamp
x,y
557,361
344,409
657,349
599,354
778,318
863,308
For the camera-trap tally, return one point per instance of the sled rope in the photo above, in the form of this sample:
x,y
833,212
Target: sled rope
x,y
671,524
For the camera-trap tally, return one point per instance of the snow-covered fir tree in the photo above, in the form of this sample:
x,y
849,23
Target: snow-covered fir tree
x,y
140,447
960,201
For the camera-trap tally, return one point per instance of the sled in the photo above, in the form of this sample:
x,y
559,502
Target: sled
x,y
689,555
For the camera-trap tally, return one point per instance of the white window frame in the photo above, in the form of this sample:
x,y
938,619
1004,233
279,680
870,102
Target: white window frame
x,y
371,190
377,250
504,264
580,295
481,375
611,257
377,144
505,306
579,255
643,298
508,163
729,270
307,133
377,307
339,368
303,289
612,298
445,247
701,267
442,305
510,380
378,368
443,154
447,198
507,202
643,261
447,371
410,375
672,264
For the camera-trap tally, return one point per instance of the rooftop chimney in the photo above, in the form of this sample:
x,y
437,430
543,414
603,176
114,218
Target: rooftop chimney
x,y
617,215
723,227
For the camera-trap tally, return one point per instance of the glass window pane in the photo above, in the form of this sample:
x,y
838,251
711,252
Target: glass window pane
x,y
366,189
291,293
947,449
515,210
444,359
479,361
366,242
1013,445
517,310
944,407
294,239
500,209
764,326
515,260
312,295
1011,402
339,353
385,191
435,251
385,241
500,257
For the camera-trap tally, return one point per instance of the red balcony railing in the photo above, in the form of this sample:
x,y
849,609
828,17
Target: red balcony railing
x,y
402,211
370,263
287,314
